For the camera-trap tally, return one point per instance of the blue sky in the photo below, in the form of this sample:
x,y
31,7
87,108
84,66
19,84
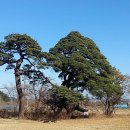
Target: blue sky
x,y
107,22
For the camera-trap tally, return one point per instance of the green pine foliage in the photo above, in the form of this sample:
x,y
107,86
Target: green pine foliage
x,y
79,61
82,66
61,97
68,95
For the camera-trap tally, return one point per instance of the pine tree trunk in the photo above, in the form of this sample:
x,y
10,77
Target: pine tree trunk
x,y
19,89
21,107
108,108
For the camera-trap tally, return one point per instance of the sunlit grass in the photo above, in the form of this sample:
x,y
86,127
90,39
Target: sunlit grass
x,y
118,122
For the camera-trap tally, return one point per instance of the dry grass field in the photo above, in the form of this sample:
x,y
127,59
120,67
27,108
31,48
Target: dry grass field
x,y
121,121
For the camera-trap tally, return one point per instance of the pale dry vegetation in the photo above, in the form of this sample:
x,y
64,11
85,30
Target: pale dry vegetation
x,y
120,121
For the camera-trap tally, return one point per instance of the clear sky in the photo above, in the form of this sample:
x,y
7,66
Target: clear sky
x,y
107,22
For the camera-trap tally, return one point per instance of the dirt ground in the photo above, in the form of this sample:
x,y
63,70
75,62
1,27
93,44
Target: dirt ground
x,y
120,121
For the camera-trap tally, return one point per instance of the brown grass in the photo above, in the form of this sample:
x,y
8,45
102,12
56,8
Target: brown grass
x,y
121,121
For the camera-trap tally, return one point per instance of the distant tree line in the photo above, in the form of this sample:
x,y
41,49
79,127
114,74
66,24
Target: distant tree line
x,y
4,97
78,61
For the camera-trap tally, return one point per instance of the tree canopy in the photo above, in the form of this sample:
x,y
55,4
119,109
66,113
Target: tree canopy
x,y
82,66
79,61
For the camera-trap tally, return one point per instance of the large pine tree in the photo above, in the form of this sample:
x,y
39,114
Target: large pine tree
x,y
79,61
22,54
82,66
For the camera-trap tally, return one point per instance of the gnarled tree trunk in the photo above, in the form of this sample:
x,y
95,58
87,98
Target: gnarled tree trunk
x,y
108,108
19,88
